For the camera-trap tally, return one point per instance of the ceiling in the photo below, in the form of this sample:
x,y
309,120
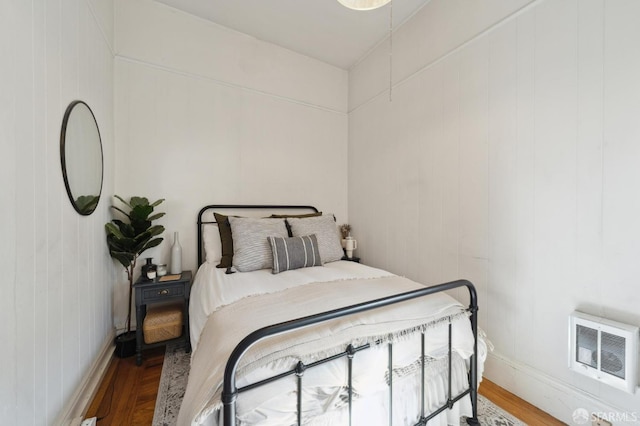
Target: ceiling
x,y
321,29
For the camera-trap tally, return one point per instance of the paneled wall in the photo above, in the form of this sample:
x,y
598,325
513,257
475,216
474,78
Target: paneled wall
x,y
57,277
508,155
206,115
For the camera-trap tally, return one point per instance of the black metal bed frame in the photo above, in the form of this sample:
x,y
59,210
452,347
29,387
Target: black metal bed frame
x,y
231,391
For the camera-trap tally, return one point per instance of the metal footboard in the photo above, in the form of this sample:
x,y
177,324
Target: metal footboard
x,y
231,391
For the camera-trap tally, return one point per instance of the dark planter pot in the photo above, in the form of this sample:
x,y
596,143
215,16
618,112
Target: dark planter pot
x,y
125,344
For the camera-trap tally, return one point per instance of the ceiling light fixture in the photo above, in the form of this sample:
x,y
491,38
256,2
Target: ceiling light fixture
x,y
363,4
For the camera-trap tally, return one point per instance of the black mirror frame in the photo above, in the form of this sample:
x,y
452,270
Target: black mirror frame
x,y
63,133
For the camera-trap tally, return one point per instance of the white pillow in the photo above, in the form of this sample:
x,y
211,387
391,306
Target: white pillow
x,y
251,249
212,244
326,231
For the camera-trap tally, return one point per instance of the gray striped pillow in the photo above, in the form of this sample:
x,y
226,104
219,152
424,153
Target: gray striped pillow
x,y
327,232
294,253
251,250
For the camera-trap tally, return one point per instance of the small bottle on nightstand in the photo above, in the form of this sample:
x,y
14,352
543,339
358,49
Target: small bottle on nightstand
x,y
176,255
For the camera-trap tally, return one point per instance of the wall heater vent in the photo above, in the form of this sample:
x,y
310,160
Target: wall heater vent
x,y
604,350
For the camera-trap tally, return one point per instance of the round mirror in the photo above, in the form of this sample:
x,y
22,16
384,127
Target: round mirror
x,y
81,157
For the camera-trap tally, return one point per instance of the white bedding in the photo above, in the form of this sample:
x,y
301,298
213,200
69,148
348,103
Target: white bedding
x,y
212,288
214,292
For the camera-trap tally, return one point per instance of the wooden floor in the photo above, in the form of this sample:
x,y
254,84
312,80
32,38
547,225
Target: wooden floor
x,y
519,408
127,395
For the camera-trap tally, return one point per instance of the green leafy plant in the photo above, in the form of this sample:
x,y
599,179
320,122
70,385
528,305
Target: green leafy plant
x,y
128,239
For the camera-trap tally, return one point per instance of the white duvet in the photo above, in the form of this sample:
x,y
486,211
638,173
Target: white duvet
x,y
213,288
225,308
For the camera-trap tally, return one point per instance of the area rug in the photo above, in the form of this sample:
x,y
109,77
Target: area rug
x,y
490,414
173,382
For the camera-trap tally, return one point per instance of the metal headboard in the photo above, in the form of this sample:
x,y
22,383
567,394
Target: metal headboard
x,y
215,207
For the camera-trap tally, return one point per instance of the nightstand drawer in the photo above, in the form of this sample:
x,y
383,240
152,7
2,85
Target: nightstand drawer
x,y
160,292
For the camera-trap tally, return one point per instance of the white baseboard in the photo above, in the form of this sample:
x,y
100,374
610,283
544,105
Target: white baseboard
x,y
559,399
74,410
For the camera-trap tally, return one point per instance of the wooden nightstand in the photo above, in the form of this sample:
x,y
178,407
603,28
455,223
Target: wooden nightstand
x,y
150,292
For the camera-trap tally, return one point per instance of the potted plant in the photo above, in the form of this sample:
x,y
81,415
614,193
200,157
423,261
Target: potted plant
x,y
126,241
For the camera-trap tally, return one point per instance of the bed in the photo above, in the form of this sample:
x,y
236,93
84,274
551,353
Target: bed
x,y
330,342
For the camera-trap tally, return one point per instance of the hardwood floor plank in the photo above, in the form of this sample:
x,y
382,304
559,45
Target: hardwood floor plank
x,y
516,406
127,394
97,406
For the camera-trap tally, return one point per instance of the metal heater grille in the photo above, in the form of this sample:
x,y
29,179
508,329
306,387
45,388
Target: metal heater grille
x,y
587,346
612,358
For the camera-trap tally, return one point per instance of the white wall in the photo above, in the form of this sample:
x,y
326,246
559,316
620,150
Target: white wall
x,y
208,115
509,156
57,277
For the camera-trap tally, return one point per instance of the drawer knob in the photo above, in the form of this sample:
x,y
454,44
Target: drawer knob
x,y
163,292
